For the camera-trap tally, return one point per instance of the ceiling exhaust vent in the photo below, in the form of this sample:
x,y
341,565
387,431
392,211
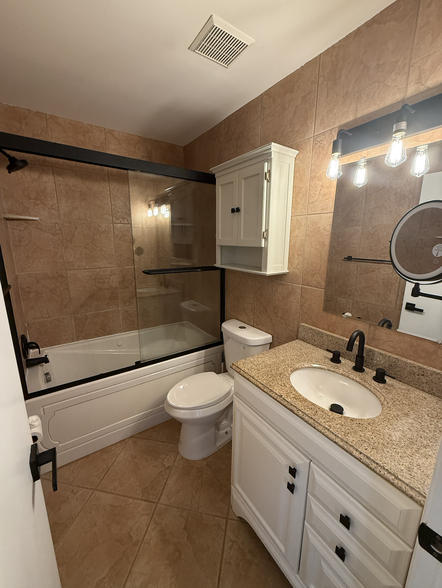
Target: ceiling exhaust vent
x,y
220,41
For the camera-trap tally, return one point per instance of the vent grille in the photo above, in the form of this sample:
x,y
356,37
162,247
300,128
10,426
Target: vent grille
x,y
220,41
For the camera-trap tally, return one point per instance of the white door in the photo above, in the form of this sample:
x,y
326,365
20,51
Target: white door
x,y
252,189
226,205
425,570
27,556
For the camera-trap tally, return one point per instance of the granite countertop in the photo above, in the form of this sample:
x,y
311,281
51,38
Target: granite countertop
x,y
401,444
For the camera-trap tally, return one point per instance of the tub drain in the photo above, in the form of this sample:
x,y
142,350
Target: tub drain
x,y
337,408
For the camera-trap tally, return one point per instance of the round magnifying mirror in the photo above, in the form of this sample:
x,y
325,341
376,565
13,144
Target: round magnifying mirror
x,y
416,244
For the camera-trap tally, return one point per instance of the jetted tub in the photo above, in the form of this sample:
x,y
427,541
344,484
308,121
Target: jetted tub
x,y
86,417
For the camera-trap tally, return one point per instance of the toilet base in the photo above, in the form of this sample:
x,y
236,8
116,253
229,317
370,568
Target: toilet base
x,y
198,441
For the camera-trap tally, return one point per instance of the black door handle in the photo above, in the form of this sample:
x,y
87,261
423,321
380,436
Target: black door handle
x,y
36,460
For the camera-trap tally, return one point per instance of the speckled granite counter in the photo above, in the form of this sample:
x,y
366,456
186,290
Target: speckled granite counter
x,y
400,444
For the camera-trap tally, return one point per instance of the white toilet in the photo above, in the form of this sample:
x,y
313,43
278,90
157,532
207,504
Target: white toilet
x,y
203,402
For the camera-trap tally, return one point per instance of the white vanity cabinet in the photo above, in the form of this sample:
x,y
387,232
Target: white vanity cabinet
x,y
344,526
253,210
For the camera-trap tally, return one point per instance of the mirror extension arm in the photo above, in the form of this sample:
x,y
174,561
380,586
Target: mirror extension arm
x,y
416,292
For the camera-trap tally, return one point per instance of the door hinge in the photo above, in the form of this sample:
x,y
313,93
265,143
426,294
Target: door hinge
x,y
264,235
267,175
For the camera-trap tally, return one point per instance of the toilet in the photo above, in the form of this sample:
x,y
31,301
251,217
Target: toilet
x,y
203,402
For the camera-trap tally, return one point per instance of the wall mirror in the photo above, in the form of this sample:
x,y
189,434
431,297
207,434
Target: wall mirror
x,y
361,281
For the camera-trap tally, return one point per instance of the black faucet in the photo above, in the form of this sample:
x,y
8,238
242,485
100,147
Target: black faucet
x,y
359,363
36,361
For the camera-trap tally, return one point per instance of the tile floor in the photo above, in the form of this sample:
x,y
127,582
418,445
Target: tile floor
x,y
138,515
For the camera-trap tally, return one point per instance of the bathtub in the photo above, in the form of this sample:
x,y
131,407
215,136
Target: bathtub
x,y
89,416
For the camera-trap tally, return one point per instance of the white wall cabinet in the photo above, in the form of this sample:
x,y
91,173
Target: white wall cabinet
x,y
253,210
344,526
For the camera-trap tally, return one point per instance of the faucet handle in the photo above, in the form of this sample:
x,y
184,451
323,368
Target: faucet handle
x,y
336,356
379,377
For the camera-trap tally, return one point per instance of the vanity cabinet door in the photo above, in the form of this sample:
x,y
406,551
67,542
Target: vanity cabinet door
x,y
270,476
226,202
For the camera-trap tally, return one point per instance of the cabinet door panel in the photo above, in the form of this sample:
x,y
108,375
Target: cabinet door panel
x,y
261,464
226,199
320,568
252,188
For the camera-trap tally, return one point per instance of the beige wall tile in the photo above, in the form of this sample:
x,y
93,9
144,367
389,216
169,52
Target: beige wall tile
x,y
93,290
375,283
5,243
45,295
126,286
75,133
240,296
167,153
298,227
128,145
123,245
240,132
120,197
317,244
88,245
83,196
21,121
302,177
205,152
100,546
276,308
97,324
129,319
426,64
30,192
321,196
37,246
373,313
52,331
368,69
288,108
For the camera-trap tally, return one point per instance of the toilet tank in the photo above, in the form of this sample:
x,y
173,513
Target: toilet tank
x,y
241,341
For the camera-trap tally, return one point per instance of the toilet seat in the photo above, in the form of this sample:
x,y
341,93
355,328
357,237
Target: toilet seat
x,y
199,391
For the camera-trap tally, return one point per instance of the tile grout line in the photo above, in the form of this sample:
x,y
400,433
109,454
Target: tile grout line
x,y
75,518
222,550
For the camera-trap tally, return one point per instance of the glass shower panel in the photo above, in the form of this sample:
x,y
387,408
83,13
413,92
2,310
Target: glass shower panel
x,y
177,285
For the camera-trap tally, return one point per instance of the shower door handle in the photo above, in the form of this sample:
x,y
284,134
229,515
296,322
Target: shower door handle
x,y
36,460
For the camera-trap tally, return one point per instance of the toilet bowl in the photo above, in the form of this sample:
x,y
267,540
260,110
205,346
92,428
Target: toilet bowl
x,y
202,403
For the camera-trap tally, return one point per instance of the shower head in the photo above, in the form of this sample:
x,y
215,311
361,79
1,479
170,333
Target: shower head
x,y
14,163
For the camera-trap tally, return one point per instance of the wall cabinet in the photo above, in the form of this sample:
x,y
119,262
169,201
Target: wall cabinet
x,y
334,522
253,210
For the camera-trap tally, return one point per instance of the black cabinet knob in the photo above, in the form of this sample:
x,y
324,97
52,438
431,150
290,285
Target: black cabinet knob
x,y
292,472
237,209
291,487
345,520
340,552
232,210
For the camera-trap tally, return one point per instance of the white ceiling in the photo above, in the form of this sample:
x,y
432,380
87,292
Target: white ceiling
x,y
125,64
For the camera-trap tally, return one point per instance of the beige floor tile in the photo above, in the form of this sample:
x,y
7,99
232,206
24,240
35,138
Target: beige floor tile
x,y
169,431
141,469
63,506
202,485
182,549
88,471
246,562
99,548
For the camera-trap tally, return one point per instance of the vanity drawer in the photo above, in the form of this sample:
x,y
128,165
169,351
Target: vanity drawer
x,y
358,522
320,567
357,559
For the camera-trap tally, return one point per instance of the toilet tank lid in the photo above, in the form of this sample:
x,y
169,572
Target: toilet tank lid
x,y
245,333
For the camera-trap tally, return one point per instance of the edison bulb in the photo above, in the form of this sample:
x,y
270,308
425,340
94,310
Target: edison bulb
x,y
421,162
396,153
334,170
155,210
361,176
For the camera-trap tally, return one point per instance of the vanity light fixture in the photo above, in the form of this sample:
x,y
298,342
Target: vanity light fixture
x,y
397,153
155,210
334,170
167,213
361,176
421,162
163,209
149,211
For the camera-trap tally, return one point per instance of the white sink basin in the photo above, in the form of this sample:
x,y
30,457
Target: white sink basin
x,y
325,388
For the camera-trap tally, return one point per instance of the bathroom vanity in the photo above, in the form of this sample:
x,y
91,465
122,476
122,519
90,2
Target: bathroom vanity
x,y
337,501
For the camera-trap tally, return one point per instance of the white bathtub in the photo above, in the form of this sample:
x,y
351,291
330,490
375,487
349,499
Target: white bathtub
x,y
84,359
85,418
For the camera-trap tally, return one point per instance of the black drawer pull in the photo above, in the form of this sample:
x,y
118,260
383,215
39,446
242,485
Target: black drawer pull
x,y
292,472
232,210
345,520
291,487
237,209
340,552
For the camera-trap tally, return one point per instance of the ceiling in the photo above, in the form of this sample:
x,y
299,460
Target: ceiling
x,y
125,64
